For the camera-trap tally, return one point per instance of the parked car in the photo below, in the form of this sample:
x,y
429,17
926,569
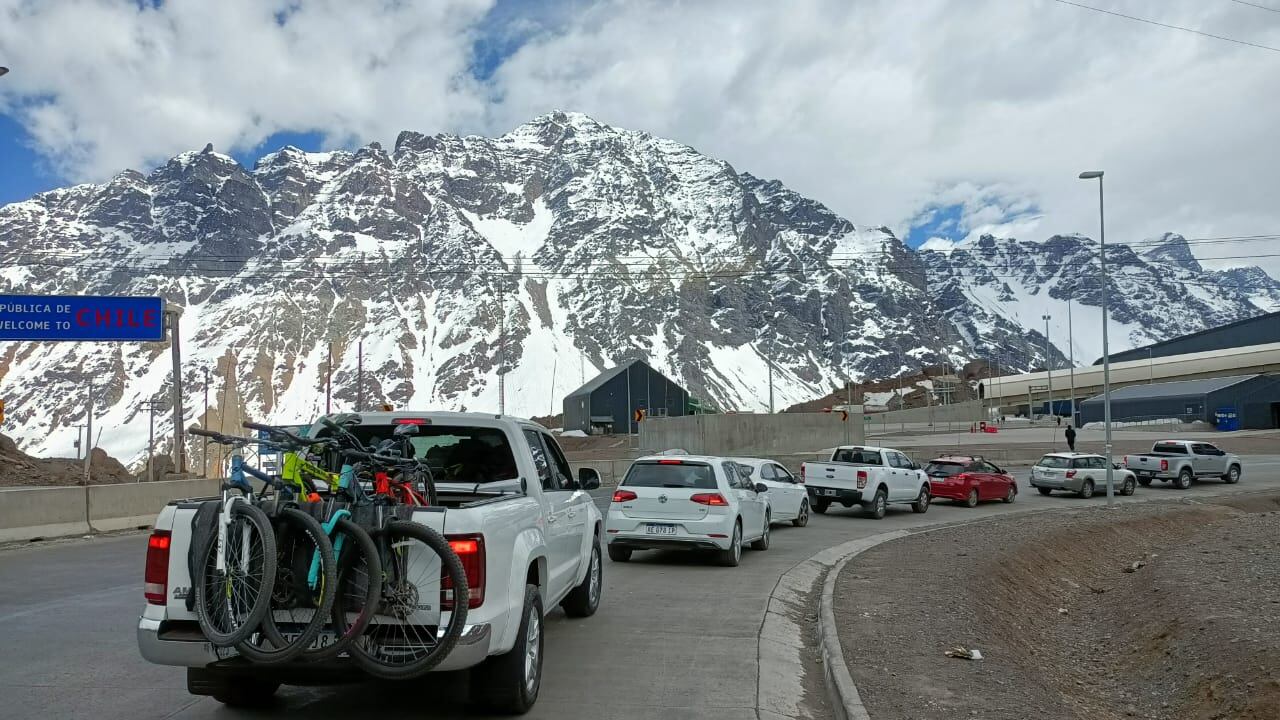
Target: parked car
x,y
689,502
787,494
969,480
505,490
1080,473
871,476
1182,461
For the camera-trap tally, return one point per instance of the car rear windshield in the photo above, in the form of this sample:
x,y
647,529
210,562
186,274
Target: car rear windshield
x,y
858,456
1053,461
684,475
943,469
455,453
1175,448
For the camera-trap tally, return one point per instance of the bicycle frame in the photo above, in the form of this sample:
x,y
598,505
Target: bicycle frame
x,y
224,518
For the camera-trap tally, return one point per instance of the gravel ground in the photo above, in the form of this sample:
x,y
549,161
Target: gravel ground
x,y
1167,611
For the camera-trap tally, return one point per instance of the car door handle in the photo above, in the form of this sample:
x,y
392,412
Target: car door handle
x,y
551,518
572,514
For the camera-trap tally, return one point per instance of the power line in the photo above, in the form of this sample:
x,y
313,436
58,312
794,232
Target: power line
x,y
1167,25
1260,7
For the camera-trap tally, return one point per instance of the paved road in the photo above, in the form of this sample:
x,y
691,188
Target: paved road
x,y
676,638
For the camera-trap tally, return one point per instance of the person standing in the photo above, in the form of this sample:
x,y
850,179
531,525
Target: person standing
x,y
1071,437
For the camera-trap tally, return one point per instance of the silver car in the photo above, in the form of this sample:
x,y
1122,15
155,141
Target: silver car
x,y
1080,473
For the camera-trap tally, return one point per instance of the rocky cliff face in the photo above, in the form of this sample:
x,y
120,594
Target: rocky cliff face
x,y
555,251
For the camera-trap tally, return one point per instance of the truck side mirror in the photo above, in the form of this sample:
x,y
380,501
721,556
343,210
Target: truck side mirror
x,y
588,478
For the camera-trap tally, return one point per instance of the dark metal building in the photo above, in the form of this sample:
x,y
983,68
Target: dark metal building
x,y
1230,403
608,402
1258,330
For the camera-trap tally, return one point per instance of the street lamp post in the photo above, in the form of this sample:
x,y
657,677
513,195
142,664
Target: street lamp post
x,y
1071,353
1106,351
1048,365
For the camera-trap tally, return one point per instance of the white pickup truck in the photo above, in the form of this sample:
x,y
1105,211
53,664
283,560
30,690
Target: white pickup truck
x,y
501,481
1182,461
873,477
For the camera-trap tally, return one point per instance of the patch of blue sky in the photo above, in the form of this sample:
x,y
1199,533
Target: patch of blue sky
x,y
938,221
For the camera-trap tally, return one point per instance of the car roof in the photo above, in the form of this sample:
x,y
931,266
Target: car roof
x,y
709,459
1071,454
866,447
955,459
753,461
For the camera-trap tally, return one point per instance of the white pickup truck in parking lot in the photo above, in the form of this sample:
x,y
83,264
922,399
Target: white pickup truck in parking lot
x,y
533,539
1182,461
873,477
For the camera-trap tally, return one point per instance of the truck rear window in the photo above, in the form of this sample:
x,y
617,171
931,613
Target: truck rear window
x,y
684,475
858,456
1175,448
455,453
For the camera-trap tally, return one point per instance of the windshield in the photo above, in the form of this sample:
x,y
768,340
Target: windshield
x,y
858,456
666,475
455,453
943,469
1053,461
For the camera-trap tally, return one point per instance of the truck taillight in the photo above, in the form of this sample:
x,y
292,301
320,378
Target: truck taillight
x,y
1125,461
470,550
155,581
623,496
801,472
1164,464
712,499
862,479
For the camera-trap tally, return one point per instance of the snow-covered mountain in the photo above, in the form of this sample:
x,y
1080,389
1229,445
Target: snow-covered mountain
x,y
570,244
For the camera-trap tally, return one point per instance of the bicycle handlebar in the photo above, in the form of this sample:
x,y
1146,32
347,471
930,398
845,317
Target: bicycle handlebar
x,y
282,433
388,459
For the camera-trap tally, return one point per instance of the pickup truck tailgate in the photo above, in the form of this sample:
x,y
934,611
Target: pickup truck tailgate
x,y
830,475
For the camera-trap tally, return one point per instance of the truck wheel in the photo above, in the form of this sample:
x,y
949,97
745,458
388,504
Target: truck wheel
x,y
618,554
730,557
821,506
763,542
803,518
1128,487
1086,490
240,691
583,600
879,504
1045,491
971,500
921,505
1144,481
1184,479
1233,475
509,683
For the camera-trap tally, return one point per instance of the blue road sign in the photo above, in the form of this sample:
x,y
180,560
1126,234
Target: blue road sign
x,y
81,317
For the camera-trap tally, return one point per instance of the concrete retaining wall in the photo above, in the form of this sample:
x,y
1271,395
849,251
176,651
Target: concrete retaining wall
x,y
765,435
27,513
969,411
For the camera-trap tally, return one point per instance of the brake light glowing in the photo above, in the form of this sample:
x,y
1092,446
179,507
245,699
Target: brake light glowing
x,y
155,581
470,550
711,499
1164,464
623,495
862,479
412,421
670,462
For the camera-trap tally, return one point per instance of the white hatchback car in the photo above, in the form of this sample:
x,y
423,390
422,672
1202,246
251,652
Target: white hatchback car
x,y
687,503
787,496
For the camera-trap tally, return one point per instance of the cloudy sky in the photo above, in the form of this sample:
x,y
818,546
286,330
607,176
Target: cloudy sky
x,y
938,118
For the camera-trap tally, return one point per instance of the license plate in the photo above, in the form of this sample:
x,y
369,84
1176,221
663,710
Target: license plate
x,y
323,640
1142,473
827,491
660,529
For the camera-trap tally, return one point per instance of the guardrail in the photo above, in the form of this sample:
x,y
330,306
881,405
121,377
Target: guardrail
x,y
40,512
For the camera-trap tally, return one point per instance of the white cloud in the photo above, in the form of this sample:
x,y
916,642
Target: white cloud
x,y
878,108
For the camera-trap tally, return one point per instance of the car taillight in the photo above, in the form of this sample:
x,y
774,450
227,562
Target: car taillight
x,y
862,479
155,581
1124,460
1164,464
470,550
1071,473
713,499
623,495
801,472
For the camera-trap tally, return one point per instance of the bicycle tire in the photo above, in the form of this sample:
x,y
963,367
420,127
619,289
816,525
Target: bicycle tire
x,y
300,538
394,650
225,616
357,590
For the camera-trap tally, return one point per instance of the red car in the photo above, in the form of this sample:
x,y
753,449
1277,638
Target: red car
x,y
969,480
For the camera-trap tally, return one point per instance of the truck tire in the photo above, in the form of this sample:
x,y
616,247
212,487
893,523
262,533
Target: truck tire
x,y
583,600
1233,475
879,504
1144,481
763,542
239,691
921,505
619,554
821,506
1086,490
1184,479
731,557
509,683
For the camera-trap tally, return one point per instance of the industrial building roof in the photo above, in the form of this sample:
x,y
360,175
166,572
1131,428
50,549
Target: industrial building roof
x,y
1180,388
603,378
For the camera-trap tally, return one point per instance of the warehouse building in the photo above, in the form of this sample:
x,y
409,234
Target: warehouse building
x,y
1259,330
608,403
1235,402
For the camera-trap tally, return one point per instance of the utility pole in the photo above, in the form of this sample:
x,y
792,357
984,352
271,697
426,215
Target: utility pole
x,y
1106,351
179,439
1071,352
328,382
502,350
151,441
88,451
769,362
204,422
360,375
79,440
1048,364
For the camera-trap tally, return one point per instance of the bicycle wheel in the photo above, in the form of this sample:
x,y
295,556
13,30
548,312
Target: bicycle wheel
x,y
410,634
231,603
357,591
298,611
